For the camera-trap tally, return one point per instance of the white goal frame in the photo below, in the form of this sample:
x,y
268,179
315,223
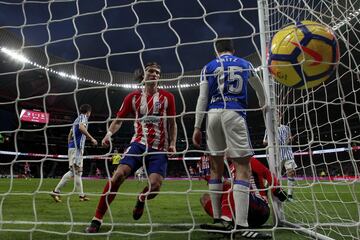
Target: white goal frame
x,y
271,122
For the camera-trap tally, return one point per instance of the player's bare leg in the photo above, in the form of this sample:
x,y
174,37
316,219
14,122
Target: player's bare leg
x,y
155,181
109,194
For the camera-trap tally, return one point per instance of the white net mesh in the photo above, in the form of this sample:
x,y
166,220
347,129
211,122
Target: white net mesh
x,y
57,55
324,123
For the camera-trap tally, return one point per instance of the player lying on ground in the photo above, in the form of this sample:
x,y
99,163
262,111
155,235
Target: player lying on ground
x,y
259,210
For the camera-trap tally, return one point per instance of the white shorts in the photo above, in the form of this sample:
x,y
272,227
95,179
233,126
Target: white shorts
x,y
75,157
290,164
227,133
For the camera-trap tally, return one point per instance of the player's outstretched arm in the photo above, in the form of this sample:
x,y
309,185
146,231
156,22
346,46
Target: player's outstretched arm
x,y
172,124
271,179
172,134
70,136
84,131
265,142
196,138
114,127
258,86
280,194
290,137
201,106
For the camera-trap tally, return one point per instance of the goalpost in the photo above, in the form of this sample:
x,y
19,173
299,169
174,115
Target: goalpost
x,y
325,121
326,213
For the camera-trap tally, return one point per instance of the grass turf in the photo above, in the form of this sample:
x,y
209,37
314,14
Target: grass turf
x,y
28,211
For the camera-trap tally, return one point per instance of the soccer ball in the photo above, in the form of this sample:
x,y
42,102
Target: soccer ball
x,y
303,55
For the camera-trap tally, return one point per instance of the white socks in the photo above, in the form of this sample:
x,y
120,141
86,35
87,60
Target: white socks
x,y
67,176
216,185
79,184
241,199
291,184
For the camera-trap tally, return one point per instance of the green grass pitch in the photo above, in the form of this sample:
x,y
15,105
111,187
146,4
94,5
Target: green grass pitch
x,y
28,212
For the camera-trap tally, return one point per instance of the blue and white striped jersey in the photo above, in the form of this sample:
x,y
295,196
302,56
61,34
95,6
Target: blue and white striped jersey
x,y
227,79
284,135
78,139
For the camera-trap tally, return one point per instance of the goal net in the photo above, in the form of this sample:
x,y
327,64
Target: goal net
x,y
57,55
324,124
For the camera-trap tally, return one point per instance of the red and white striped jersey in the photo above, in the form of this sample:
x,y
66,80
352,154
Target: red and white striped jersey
x,y
204,162
151,114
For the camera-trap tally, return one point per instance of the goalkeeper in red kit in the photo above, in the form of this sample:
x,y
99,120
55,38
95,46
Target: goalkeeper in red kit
x,y
259,210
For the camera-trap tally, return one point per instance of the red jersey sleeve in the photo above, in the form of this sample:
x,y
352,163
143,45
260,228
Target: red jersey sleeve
x,y
126,107
263,171
171,111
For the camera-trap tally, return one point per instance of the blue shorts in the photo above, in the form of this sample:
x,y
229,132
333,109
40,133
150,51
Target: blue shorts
x,y
259,211
155,163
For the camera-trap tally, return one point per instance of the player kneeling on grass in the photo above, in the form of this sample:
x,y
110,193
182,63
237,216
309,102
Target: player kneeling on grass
x,y
259,210
155,134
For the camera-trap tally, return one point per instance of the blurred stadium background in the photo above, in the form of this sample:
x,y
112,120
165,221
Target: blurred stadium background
x,y
101,44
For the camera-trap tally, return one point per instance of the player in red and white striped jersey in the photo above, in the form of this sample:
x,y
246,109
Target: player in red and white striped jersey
x,y
205,165
155,134
150,111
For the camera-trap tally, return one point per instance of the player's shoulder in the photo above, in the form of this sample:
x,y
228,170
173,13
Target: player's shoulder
x,y
211,66
231,58
215,61
244,62
228,58
235,60
79,118
134,93
165,93
131,95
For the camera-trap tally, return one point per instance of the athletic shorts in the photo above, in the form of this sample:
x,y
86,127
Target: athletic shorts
x,y
227,131
289,164
259,211
154,163
75,157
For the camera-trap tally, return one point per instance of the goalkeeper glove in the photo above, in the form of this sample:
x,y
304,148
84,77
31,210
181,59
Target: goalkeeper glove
x,y
280,194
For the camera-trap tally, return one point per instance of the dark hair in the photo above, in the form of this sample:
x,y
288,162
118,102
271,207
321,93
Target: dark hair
x,y
85,108
224,45
139,72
